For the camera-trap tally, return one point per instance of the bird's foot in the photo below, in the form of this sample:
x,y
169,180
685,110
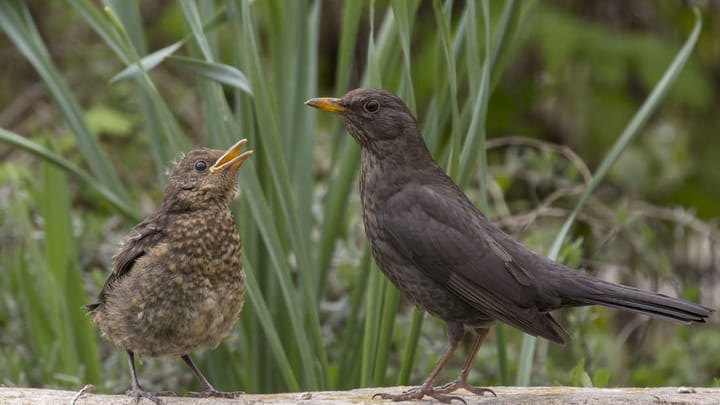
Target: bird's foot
x,y
207,393
419,393
138,394
457,384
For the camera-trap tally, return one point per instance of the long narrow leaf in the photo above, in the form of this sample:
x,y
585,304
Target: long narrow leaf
x,y
148,62
265,317
446,40
192,17
219,72
19,141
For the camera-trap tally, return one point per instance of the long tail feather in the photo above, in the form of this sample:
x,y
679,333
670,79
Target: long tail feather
x,y
586,290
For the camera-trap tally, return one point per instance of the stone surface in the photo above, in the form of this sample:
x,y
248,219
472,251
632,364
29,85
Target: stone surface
x,y
506,395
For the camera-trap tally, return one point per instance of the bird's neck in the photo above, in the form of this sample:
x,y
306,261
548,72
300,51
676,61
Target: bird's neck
x,y
390,170
180,205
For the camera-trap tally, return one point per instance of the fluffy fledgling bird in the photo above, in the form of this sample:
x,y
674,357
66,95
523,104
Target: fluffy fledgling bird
x,y
177,283
443,254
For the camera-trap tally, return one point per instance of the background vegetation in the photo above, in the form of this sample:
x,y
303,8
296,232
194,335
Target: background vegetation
x,y
579,106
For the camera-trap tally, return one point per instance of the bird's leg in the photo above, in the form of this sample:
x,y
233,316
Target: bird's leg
x,y
136,390
207,389
461,381
455,332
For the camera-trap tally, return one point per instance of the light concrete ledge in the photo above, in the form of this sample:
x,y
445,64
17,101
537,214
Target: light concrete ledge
x,y
506,395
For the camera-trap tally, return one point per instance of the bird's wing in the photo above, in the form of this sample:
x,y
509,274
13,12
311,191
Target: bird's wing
x,y
442,233
141,238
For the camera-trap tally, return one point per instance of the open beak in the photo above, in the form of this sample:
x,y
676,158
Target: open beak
x,y
232,158
333,105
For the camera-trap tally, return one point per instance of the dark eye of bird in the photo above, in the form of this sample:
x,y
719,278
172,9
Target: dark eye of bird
x,y
371,106
200,165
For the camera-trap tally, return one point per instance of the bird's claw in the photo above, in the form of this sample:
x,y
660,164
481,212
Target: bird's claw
x,y
457,384
138,394
419,393
216,394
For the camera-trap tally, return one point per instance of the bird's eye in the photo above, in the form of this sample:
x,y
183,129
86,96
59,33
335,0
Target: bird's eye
x,y
200,165
371,106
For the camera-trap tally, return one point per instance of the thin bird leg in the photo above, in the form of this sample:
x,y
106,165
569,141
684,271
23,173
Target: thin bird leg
x,y
455,332
461,381
136,390
208,389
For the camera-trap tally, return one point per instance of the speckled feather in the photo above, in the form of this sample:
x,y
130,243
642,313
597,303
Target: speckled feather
x,y
177,283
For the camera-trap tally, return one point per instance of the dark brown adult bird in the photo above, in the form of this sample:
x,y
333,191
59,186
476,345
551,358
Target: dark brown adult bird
x,y
177,283
443,254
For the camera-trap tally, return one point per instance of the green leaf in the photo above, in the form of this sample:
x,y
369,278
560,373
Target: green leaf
x,y
601,378
147,63
104,119
579,377
219,72
29,146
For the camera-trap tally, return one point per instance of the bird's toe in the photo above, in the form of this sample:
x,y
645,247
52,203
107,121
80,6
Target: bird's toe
x,y
419,393
216,394
139,394
456,385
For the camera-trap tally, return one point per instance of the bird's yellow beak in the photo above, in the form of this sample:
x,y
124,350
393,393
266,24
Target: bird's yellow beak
x,y
333,105
232,158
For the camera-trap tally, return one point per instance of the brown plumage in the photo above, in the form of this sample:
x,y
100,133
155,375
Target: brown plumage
x,y
442,253
177,283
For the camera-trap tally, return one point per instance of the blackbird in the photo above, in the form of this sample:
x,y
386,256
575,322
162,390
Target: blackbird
x,y
443,254
177,283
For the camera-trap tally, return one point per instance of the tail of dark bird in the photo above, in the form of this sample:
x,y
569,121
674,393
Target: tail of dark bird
x,y
582,289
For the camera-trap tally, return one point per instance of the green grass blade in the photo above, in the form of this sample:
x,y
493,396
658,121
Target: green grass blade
x,y
525,361
100,24
410,347
148,62
503,369
373,309
21,142
441,18
265,318
352,11
506,31
474,145
401,13
373,76
390,302
336,208
36,292
78,341
192,18
348,373
219,72
303,162
128,12
52,198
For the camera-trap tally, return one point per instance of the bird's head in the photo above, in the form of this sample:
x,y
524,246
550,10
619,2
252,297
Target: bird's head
x,y
203,176
376,118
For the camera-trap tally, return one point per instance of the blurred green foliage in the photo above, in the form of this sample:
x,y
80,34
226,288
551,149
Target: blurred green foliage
x,y
567,74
